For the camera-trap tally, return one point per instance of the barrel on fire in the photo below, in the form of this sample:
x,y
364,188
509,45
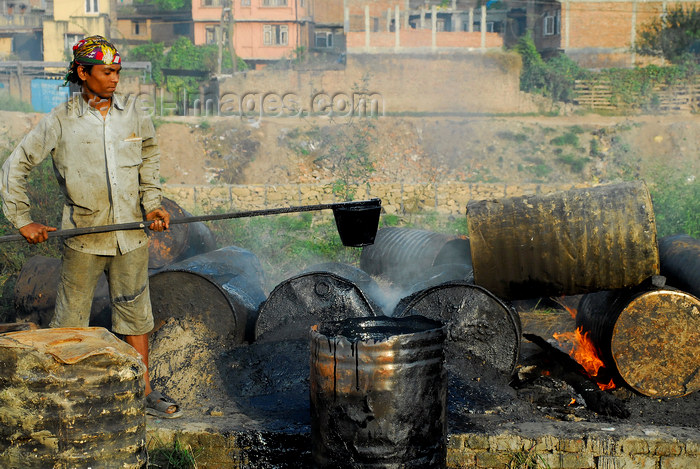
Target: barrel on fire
x,y
680,262
378,391
404,255
70,397
180,241
222,288
649,336
564,243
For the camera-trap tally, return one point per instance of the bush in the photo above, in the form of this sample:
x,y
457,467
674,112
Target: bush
x,y
676,198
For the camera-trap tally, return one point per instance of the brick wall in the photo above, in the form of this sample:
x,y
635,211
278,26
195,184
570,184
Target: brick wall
x,y
403,83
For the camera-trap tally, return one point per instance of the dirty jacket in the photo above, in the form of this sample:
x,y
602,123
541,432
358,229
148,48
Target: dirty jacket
x,y
108,169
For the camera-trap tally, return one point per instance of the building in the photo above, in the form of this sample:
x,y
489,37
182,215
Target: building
x,y
594,33
21,29
143,23
68,21
264,31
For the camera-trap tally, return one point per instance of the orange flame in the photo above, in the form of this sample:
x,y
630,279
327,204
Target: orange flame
x,y
585,353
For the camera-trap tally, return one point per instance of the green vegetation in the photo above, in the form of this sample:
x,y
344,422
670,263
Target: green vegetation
x,y
674,35
10,103
676,199
176,456
553,78
577,163
527,460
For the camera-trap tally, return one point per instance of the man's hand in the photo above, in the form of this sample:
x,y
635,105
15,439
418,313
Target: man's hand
x,y
161,217
36,233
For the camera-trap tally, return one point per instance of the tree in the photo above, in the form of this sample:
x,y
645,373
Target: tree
x,y
674,36
168,5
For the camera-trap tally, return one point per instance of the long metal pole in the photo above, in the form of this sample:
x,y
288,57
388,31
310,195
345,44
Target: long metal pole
x,y
139,225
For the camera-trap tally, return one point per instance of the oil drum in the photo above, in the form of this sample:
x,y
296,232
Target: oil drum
x,y
403,255
222,288
180,241
647,336
378,391
680,262
71,397
478,323
36,289
306,299
564,243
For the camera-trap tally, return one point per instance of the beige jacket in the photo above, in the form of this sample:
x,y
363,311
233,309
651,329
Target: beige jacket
x,y
108,170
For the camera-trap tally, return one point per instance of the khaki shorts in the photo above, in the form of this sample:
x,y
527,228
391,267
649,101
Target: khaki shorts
x,y
127,275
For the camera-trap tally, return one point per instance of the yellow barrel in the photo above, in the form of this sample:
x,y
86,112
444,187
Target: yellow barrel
x,y
71,397
564,243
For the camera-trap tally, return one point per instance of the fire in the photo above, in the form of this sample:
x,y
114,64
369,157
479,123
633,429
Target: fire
x,y
585,353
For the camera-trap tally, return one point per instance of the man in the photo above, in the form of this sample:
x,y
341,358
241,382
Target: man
x,y
106,160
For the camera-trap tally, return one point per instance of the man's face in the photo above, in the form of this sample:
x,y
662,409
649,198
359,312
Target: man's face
x,y
102,80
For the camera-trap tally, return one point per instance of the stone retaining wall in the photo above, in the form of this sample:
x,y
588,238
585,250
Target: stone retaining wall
x,y
555,445
448,198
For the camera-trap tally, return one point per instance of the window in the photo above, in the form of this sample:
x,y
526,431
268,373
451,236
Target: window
x,y
210,35
275,34
70,40
551,23
324,39
274,3
245,3
138,28
211,3
92,6
490,27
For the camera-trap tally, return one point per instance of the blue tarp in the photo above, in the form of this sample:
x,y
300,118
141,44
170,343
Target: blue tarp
x,y
47,94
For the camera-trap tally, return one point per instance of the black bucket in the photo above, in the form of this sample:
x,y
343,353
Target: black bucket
x,y
378,391
357,222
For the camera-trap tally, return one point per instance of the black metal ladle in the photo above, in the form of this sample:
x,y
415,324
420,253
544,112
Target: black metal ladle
x,y
356,221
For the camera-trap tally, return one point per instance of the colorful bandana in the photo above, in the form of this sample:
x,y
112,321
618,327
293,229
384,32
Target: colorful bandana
x,y
95,50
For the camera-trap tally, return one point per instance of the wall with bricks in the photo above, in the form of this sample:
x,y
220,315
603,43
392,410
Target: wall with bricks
x,y
449,198
402,83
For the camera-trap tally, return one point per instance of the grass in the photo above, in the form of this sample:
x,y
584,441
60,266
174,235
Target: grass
x,y
527,460
176,456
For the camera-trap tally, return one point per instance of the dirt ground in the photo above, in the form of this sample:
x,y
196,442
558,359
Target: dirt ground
x,y
586,148
582,148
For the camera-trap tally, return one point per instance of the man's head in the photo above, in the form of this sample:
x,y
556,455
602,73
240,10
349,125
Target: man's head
x,y
96,65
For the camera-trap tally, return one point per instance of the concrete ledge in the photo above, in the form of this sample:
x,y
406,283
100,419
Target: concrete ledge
x,y
565,445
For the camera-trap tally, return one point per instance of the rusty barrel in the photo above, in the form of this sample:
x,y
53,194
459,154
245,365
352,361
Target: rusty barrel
x,y
222,288
306,299
564,243
180,241
478,323
378,391
71,397
36,288
649,336
404,255
680,262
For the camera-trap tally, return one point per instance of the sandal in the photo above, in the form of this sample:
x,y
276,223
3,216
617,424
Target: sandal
x,y
157,406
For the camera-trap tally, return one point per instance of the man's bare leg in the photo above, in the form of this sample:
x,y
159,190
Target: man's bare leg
x,y
140,343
